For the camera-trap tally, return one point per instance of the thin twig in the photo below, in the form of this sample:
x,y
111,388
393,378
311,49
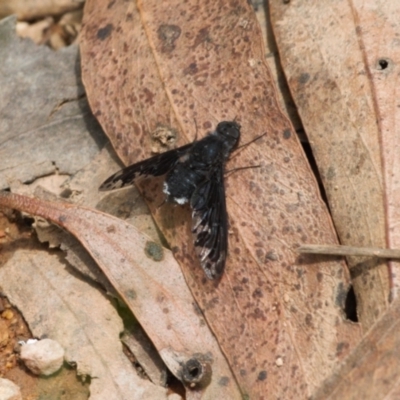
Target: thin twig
x,y
337,250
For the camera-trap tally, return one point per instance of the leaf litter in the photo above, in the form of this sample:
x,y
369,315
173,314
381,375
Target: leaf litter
x,y
180,119
157,296
342,75
58,305
277,318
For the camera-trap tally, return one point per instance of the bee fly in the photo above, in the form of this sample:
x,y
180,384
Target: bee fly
x,y
195,174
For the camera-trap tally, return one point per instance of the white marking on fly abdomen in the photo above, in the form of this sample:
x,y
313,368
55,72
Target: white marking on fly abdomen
x,y
166,189
182,200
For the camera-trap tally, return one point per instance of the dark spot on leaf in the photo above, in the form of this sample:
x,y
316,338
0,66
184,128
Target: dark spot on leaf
x,y
259,253
224,381
110,229
330,174
262,376
207,125
287,134
304,78
154,251
131,294
271,256
242,372
168,34
341,295
202,36
62,218
341,347
192,69
299,272
103,33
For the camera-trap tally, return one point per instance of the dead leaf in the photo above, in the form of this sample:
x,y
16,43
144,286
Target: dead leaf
x,y
45,117
140,345
34,9
378,29
155,291
58,305
278,321
261,10
372,370
330,59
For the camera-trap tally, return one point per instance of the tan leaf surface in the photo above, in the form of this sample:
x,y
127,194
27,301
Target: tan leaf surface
x,y
378,29
154,291
58,305
277,317
372,371
327,63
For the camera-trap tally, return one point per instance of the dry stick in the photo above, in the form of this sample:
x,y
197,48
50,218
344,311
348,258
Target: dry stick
x,y
337,250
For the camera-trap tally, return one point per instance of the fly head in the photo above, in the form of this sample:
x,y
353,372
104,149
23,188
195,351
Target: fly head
x,y
229,132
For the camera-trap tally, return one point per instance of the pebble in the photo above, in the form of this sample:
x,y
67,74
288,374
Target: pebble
x,y
7,314
42,357
9,390
279,362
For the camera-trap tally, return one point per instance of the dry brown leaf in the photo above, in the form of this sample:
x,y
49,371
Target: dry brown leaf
x,y
35,9
277,317
145,354
330,53
155,291
82,188
46,124
378,29
58,305
372,371
261,10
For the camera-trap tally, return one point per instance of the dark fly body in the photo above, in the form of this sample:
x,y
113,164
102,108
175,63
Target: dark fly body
x,y
194,174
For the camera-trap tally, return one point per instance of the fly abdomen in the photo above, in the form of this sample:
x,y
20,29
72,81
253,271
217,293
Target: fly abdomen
x,y
181,183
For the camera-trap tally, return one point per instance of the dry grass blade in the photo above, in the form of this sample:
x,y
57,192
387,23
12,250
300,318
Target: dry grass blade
x,y
351,251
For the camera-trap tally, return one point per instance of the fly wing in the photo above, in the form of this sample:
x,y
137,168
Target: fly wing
x,y
153,166
209,223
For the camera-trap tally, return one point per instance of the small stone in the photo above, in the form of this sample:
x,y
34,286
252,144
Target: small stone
x,y
7,314
43,357
9,390
286,298
279,362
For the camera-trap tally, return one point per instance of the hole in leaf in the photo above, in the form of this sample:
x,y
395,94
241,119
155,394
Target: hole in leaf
x,y
383,64
350,306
